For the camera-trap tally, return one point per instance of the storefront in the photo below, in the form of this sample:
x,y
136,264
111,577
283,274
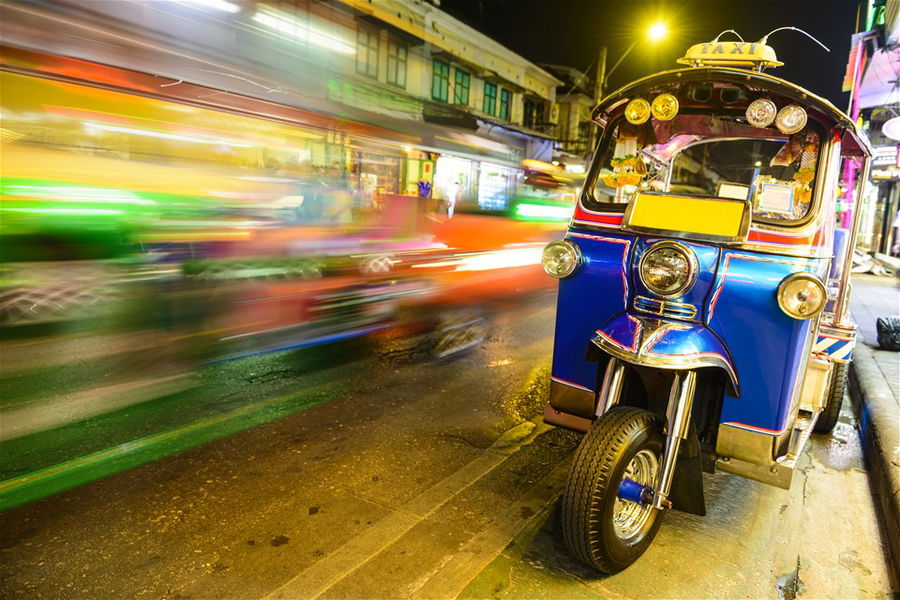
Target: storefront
x,y
474,185
495,186
455,182
877,232
375,173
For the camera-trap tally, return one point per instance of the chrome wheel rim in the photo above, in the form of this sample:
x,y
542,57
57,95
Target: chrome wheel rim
x,y
630,519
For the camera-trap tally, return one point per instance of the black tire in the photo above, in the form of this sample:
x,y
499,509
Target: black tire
x,y
589,501
828,418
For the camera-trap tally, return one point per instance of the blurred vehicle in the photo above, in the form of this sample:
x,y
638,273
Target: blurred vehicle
x,y
242,232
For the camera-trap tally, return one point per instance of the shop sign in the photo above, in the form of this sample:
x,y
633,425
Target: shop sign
x,y
884,156
886,173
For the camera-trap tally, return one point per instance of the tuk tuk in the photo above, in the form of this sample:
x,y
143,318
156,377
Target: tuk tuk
x,y
702,318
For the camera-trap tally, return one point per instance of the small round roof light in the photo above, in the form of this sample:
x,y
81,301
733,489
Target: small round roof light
x,y
665,107
891,128
790,119
761,112
638,111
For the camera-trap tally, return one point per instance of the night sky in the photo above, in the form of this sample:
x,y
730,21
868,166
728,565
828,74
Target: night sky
x,y
570,32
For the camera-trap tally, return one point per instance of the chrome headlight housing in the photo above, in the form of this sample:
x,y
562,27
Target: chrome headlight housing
x,y
802,295
560,258
668,269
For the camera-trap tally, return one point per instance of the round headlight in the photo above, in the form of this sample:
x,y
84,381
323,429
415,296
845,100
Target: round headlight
x,y
761,112
790,119
668,269
560,258
802,295
664,107
637,111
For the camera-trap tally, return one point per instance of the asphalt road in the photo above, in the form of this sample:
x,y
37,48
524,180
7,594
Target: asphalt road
x,y
383,474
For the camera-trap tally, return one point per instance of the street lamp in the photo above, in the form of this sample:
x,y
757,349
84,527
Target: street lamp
x,y
656,32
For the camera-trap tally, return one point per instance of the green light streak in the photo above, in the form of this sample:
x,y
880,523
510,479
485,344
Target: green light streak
x,y
66,211
543,212
84,469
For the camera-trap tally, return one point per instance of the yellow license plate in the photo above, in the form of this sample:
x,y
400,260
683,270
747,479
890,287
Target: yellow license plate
x,y
717,219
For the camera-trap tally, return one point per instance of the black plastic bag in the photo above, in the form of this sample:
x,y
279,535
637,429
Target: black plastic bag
x,y
888,332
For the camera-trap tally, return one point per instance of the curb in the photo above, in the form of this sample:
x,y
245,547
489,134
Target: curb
x,y
879,425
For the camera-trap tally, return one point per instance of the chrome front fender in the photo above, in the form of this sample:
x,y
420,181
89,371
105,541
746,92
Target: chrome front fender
x,y
674,345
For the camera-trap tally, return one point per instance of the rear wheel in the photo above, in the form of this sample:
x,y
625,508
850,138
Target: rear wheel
x,y
829,416
600,529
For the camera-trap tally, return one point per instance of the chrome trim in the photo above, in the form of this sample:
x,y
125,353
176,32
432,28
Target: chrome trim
x,y
750,446
839,308
579,258
848,330
777,475
808,277
742,456
649,327
800,433
688,255
798,252
631,519
665,308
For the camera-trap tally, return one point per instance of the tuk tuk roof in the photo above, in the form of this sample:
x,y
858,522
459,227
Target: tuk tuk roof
x,y
853,141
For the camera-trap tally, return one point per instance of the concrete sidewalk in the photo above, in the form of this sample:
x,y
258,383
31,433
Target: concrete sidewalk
x,y
875,390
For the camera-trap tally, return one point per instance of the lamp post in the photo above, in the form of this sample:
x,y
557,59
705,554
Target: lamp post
x,y
656,32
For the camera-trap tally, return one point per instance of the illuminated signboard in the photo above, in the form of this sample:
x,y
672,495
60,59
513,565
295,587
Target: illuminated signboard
x,y
884,155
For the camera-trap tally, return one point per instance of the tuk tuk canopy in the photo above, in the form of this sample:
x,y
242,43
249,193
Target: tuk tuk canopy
x,y
718,88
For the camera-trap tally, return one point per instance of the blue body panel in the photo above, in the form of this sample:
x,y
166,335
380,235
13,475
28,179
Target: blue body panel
x,y
597,290
738,317
768,347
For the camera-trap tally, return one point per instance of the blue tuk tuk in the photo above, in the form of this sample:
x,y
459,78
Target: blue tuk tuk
x,y
702,318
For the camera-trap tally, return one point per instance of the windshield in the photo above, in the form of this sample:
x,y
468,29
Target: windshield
x,y
712,156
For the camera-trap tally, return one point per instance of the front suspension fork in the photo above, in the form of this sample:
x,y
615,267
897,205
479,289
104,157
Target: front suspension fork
x,y
678,419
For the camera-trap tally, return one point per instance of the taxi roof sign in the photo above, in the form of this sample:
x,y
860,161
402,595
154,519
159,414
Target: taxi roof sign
x,y
731,54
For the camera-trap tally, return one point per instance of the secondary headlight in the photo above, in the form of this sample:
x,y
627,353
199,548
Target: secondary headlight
x,y
802,295
668,269
560,258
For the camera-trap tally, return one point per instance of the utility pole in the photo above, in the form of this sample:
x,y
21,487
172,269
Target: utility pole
x,y
598,95
601,75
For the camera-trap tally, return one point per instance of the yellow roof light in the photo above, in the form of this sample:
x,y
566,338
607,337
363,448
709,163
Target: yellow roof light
x,y
664,107
731,54
637,112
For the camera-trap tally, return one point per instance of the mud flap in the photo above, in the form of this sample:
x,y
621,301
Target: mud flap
x,y
686,493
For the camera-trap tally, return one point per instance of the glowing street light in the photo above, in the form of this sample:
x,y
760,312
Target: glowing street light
x,y
657,31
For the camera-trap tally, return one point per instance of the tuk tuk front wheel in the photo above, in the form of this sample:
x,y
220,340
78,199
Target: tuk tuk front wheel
x,y
829,416
600,529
